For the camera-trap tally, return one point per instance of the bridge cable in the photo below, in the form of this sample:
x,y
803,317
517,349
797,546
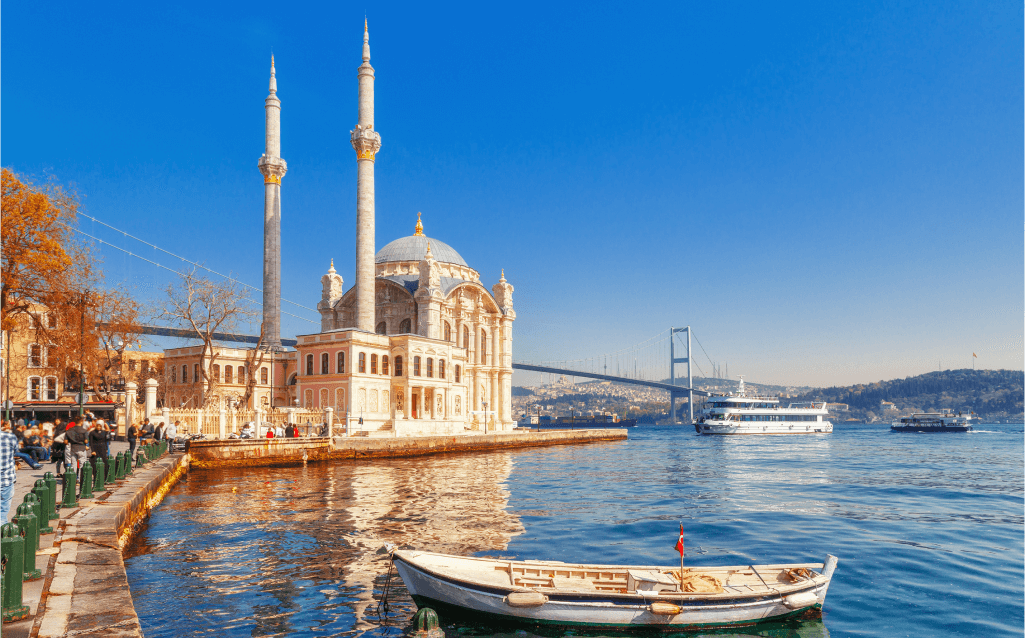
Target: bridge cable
x,y
188,261
252,301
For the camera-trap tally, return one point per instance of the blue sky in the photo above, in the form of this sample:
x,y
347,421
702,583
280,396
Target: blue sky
x,y
828,194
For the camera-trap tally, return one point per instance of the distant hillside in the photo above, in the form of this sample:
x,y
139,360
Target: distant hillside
x,y
992,394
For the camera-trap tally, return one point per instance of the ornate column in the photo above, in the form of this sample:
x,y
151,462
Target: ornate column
x,y
495,398
366,142
131,395
150,409
273,169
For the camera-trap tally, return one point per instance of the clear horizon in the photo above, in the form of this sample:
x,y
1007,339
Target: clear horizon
x,y
827,195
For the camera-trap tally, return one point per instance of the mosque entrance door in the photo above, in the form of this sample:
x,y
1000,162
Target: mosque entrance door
x,y
416,406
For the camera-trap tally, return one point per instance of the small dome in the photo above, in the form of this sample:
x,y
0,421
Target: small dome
x,y
414,247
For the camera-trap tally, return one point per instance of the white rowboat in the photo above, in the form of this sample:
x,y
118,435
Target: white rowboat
x,y
550,593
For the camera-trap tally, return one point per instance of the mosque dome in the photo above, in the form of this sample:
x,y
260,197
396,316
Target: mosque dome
x,y
414,247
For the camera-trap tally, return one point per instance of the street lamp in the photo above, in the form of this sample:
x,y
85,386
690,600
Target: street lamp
x,y
8,404
81,355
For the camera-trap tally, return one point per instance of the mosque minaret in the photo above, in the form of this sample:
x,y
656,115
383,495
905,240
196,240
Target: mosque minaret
x,y
366,141
273,169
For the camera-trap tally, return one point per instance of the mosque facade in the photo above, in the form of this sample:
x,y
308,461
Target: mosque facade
x,y
418,345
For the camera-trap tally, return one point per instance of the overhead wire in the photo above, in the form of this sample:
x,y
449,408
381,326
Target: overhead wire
x,y
188,261
159,265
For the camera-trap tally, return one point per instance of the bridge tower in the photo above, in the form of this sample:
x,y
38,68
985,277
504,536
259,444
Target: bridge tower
x,y
673,360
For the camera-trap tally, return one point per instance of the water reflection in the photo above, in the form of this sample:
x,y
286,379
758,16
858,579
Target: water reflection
x,y
293,550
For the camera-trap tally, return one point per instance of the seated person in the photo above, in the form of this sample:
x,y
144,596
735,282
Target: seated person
x,y
32,444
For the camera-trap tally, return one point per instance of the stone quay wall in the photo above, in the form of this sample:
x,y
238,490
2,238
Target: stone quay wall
x,y
277,452
86,590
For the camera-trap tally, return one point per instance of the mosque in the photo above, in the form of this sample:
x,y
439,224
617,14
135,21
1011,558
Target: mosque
x,y
418,345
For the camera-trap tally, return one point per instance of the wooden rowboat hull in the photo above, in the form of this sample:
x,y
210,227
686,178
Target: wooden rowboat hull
x,y
456,596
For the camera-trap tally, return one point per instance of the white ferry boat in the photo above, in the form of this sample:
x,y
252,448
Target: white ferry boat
x,y
935,422
742,414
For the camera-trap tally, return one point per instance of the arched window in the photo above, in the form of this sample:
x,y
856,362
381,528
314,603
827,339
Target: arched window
x,y
405,327
458,370
416,366
242,374
35,355
323,398
430,367
340,399
382,328
441,368
185,374
448,331
195,373
483,348
263,375
308,399
362,362
34,384
324,361
228,377
309,365
373,364
215,370
50,388
174,374
398,366
340,362
466,337
384,364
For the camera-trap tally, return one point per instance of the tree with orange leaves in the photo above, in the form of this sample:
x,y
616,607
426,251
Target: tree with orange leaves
x,y
41,259
52,286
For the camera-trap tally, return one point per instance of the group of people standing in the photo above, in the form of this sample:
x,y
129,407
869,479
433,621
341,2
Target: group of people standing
x,y
72,445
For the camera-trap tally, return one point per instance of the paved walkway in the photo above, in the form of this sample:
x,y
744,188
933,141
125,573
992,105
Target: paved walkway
x,y
27,478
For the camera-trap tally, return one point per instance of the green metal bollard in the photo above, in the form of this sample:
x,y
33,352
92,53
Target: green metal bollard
x,y
87,481
42,492
70,489
98,479
12,550
33,501
129,462
28,528
51,482
109,478
426,625
3,570
119,466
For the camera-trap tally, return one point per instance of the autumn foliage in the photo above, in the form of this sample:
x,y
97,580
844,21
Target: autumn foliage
x,y
52,286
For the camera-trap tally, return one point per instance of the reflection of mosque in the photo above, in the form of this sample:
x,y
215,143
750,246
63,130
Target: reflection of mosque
x,y
303,541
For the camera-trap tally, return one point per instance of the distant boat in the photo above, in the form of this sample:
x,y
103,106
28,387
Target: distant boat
x,y
741,414
584,422
935,422
534,593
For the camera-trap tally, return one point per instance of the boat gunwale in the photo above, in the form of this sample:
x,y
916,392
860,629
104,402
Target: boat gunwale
x,y
562,595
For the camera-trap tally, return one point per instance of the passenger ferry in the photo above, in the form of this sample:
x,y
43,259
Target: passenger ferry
x,y
935,422
741,414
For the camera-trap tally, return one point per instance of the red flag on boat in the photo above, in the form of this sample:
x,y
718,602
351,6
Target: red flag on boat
x,y
679,543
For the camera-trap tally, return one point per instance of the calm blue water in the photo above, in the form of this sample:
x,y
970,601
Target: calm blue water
x,y
928,527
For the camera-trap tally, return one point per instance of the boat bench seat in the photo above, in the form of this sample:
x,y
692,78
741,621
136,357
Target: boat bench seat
x,y
572,584
644,580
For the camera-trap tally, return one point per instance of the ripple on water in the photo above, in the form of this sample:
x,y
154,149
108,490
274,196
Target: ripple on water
x,y
928,529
